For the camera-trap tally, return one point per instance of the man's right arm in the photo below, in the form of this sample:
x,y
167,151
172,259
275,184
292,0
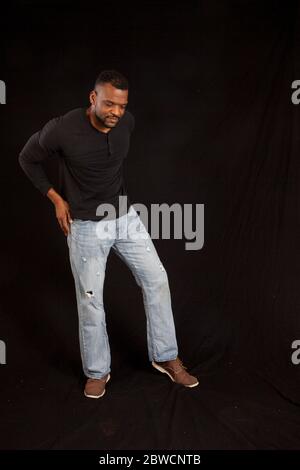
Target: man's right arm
x,y
40,146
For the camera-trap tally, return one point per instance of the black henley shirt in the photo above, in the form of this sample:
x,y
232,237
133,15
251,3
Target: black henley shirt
x,y
91,161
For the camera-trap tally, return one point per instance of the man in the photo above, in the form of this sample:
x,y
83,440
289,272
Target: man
x,y
91,145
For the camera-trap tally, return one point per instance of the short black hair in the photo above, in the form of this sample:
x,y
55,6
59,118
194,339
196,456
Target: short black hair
x,y
113,77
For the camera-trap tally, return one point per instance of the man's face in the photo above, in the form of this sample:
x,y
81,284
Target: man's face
x,y
108,104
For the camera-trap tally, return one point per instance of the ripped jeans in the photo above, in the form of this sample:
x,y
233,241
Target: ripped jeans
x,y
89,244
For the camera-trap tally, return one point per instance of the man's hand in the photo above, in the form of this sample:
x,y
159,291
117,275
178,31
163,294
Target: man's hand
x,y
62,210
63,215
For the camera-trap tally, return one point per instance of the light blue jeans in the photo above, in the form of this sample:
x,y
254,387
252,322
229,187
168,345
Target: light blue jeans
x,y
89,244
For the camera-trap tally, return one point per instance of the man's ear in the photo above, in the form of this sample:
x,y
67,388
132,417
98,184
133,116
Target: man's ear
x,y
93,95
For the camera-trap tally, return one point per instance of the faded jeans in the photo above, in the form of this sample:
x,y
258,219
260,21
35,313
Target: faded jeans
x,y
89,244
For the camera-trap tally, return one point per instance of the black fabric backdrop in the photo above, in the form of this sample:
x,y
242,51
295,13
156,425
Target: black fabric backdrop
x,y
210,88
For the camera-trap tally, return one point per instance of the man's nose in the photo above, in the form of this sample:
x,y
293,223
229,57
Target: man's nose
x,y
117,111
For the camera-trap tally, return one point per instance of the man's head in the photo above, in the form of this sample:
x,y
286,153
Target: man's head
x,y
109,97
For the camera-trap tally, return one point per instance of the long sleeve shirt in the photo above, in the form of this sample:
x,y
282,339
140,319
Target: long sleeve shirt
x,y
91,161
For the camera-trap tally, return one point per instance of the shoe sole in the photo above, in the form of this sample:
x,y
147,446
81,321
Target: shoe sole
x,y
161,369
98,396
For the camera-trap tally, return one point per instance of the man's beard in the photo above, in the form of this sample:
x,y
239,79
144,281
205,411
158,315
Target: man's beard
x,y
102,121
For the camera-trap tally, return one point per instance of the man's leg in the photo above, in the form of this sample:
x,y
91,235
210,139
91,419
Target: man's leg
x,y
140,255
137,250
88,256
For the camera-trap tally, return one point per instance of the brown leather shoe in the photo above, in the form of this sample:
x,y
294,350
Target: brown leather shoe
x,y
95,388
176,371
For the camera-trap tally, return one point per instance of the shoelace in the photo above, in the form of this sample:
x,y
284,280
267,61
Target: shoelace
x,y
176,371
180,362
91,380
